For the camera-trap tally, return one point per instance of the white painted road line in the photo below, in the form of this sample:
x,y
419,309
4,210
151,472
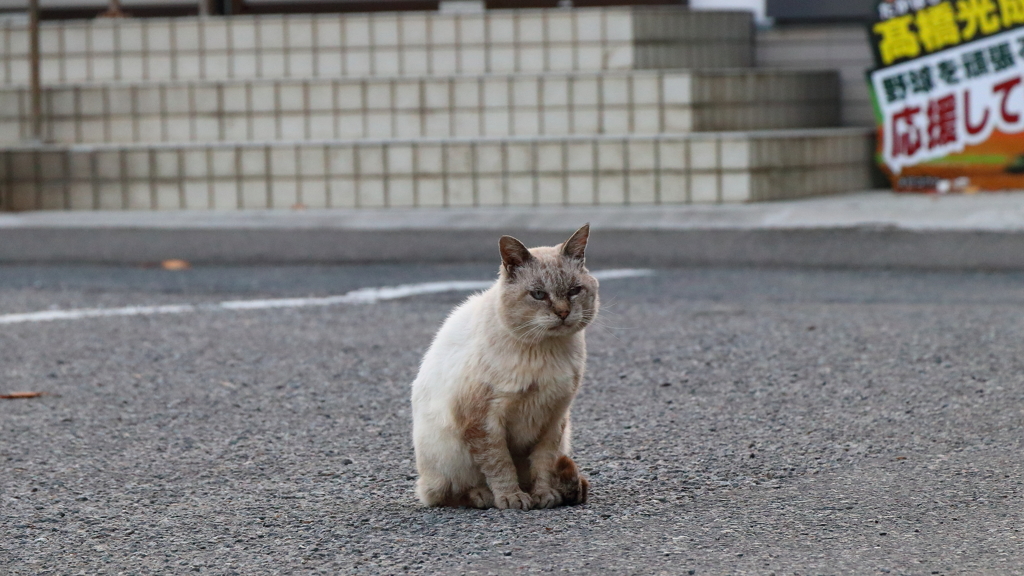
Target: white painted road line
x,y
360,296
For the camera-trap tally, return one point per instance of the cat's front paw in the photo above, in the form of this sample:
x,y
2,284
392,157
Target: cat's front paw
x,y
545,498
481,497
518,500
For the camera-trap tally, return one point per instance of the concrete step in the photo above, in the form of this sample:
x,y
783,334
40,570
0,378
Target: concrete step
x,y
552,104
379,44
719,167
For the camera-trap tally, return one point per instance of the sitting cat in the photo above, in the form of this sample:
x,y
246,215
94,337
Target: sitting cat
x,y
491,401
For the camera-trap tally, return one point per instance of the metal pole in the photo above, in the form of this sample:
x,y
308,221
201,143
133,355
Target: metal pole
x,y
36,89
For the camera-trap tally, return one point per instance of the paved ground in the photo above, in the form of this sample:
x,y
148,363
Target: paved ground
x,y
869,230
733,422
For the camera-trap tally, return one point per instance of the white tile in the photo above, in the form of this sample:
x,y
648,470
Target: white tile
x,y
580,190
300,32
284,192
467,123
195,164
501,59
370,160
525,92
225,195
531,60
18,41
400,159
678,119
311,161
641,155
314,192
188,67
461,191
378,95
520,190
379,125
167,164
556,122
525,122
736,187
585,91
530,26
385,30
407,125
76,69
76,41
444,61
300,64
610,156
179,129
646,120
588,25
501,27
472,60
407,95
357,62
467,93
586,120
550,190
291,97
561,58
271,65
49,70
341,161
158,36
243,34
615,120
386,61
610,190
677,88
580,157
215,66
703,155
343,192
356,31
429,159
49,40
157,68
615,90
108,165
414,61
472,29
736,154
293,127
619,57
459,159
223,161
103,69
262,97
496,123
549,157
672,187
490,191
642,188
139,196
271,34
488,159
102,37
443,30
430,192
254,194
215,35
619,25
560,26
350,125
253,162
330,64
328,32
401,192
646,89
321,95
197,195
282,161
703,188
555,91
590,57
414,29
371,192
186,35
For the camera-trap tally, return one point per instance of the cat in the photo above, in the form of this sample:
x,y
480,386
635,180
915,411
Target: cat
x,y
491,401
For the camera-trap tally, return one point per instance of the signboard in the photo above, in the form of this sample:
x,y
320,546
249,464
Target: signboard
x,y
949,93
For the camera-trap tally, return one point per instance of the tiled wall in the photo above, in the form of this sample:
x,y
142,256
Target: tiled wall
x,y
842,47
643,102
380,44
669,169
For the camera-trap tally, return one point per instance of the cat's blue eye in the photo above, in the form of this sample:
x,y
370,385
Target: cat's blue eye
x,y
539,294
575,290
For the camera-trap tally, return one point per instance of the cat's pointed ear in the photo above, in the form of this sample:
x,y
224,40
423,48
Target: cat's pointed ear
x,y
513,254
576,245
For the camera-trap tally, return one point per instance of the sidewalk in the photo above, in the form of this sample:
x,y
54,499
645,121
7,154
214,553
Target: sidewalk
x,y
868,229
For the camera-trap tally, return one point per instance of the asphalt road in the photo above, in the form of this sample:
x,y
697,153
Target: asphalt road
x,y
732,422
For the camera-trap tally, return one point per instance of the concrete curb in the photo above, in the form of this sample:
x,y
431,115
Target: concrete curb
x,y
868,230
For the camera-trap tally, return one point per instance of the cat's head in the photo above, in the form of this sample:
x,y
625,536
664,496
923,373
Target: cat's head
x,y
546,291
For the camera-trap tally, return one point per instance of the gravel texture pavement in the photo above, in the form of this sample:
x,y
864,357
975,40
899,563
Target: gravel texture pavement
x,y
732,422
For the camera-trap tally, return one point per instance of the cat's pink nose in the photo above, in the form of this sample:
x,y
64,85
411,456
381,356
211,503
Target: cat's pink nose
x,y
562,314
